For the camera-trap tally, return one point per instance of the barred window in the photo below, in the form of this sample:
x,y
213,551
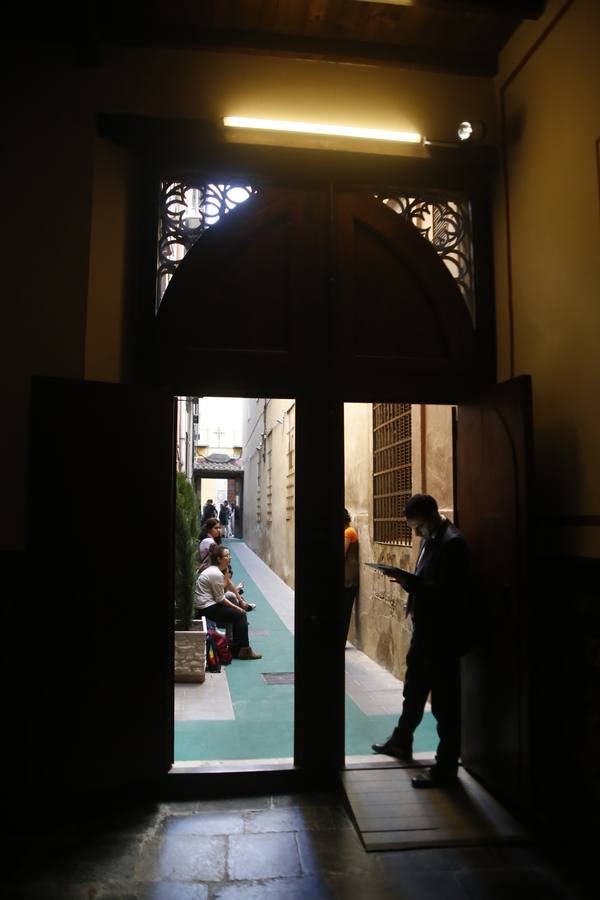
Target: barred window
x,y
392,472
258,488
291,474
269,464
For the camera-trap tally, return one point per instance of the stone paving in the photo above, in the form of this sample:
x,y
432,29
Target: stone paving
x,y
282,847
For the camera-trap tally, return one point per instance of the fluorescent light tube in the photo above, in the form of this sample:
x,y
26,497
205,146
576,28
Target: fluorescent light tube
x,y
375,134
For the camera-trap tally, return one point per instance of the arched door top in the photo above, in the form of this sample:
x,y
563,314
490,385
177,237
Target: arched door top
x,y
296,282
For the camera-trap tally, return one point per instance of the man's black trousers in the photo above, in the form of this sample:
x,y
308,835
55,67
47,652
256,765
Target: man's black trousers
x,y
433,671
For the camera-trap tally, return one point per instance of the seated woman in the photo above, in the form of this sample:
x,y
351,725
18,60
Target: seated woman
x,y
211,602
209,536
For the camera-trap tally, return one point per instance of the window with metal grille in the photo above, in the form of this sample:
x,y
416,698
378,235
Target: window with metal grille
x,y
444,221
269,464
392,472
186,211
291,473
258,488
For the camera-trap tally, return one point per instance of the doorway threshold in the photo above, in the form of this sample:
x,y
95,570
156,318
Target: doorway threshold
x,y
203,766
381,761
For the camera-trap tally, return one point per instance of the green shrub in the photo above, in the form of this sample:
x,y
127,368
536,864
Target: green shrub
x,y
186,536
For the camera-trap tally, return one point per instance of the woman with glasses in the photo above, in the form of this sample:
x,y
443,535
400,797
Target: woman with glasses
x,y
211,602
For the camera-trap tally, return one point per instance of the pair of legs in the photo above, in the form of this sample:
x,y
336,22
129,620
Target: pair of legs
x,y
223,615
432,670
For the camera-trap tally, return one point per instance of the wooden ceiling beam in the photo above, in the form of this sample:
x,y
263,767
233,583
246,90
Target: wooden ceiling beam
x,y
522,9
441,59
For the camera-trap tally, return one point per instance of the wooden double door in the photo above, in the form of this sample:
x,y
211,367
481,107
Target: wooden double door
x,y
327,299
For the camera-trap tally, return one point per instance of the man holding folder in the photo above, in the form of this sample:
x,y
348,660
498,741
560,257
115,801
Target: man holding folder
x,y
438,602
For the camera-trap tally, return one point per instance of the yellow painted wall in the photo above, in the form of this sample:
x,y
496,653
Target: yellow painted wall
x,y
269,500
548,258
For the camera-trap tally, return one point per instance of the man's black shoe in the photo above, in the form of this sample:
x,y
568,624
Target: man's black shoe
x,y
434,779
391,748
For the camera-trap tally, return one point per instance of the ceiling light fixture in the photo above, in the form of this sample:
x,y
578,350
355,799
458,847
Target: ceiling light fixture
x,y
470,131
374,134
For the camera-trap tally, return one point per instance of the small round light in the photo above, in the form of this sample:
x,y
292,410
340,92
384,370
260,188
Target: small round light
x,y
465,130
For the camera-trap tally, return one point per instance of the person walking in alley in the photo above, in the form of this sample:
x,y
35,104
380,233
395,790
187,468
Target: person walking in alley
x,y
439,592
224,517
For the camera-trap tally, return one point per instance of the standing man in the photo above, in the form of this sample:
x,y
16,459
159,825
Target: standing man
x,y
224,516
209,511
438,606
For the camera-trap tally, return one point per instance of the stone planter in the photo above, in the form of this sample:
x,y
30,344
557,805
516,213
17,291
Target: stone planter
x,y
190,653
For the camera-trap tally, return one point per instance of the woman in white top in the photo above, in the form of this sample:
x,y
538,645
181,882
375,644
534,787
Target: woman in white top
x,y
211,602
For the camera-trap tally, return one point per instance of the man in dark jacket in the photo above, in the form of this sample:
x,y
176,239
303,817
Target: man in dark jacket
x,y
209,511
438,601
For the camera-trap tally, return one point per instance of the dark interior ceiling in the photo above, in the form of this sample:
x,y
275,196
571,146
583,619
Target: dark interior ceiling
x,y
462,36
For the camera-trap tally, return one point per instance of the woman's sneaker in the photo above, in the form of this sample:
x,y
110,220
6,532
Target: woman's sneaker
x,y
250,606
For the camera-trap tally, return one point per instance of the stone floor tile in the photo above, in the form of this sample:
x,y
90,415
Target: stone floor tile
x,y
408,885
451,859
335,852
132,822
230,804
516,884
183,857
168,891
206,823
50,890
307,888
258,856
314,798
70,861
340,817
178,808
289,818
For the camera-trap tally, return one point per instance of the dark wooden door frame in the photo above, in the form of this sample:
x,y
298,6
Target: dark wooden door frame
x,y
198,147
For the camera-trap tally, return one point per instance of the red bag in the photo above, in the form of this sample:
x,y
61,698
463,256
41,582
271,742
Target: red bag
x,y
222,646
212,659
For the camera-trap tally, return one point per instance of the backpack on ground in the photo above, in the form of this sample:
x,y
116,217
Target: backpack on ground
x,y
221,645
213,663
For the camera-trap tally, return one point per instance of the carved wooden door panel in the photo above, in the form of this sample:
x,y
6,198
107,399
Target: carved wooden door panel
x,y
398,309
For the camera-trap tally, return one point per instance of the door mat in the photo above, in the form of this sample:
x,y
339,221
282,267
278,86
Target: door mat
x,y
390,814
